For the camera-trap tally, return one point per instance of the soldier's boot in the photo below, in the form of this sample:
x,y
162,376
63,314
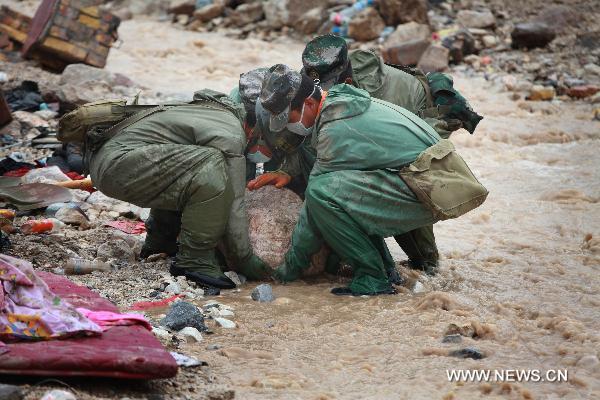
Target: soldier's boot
x,y
162,229
203,223
419,245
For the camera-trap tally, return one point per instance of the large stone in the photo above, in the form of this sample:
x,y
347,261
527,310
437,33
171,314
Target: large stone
x,y
183,314
532,34
182,7
247,13
435,59
396,12
311,21
209,12
115,249
28,120
286,12
540,93
476,19
72,216
272,214
460,44
77,74
408,53
581,92
406,33
366,25
58,395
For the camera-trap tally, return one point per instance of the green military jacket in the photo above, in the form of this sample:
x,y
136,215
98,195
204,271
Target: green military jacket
x,y
381,82
357,132
211,120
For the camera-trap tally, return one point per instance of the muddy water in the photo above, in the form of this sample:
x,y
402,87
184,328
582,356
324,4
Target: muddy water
x,y
520,273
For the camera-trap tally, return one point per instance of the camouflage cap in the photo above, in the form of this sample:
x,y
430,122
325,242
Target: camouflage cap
x,y
280,86
250,85
325,58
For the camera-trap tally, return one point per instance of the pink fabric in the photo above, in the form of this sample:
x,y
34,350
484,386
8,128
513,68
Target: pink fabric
x,y
29,310
131,227
107,319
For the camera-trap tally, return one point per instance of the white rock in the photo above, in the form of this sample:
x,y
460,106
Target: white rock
x,y
234,277
226,313
418,288
592,69
161,333
225,323
173,288
192,335
58,395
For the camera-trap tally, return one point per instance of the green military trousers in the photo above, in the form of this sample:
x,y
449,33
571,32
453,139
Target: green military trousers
x,y
186,186
352,211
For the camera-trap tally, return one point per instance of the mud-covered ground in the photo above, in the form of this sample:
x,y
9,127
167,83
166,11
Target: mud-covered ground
x,y
519,275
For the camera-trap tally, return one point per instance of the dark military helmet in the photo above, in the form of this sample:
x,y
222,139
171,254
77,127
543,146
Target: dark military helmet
x,y
280,87
325,58
250,85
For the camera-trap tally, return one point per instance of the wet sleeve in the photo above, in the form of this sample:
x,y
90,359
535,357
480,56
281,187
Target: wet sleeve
x,y
292,164
306,241
237,239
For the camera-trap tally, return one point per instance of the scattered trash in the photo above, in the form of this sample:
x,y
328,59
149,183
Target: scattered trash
x,y
191,334
148,305
78,266
183,314
263,293
225,323
130,227
186,361
58,395
45,175
41,225
467,352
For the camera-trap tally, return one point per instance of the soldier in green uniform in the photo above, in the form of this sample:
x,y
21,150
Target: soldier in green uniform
x,y
355,195
187,164
326,60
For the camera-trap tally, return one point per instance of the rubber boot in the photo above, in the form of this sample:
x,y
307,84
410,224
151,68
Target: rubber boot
x,y
162,229
206,272
419,245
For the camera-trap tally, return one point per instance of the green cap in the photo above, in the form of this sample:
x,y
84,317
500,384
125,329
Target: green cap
x,y
280,87
325,58
250,86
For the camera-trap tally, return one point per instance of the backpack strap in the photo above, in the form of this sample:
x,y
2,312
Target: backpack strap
x,y
417,73
141,112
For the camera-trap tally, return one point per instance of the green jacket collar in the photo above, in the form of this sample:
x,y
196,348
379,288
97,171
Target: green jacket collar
x,y
343,101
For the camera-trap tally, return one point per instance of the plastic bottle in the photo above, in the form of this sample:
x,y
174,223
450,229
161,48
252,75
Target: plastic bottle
x,y
260,169
79,266
41,225
341,31
387,31
344,16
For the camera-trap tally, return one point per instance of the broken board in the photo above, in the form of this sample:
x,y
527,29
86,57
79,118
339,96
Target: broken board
x,y
121,352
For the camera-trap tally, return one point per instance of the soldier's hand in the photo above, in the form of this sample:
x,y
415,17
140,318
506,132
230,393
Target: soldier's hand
x,y
277,178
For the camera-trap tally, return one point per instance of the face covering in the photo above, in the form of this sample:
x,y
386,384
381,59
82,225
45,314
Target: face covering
x,y
298,127
259,153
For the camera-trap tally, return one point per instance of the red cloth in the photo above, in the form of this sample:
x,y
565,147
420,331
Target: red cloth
x,y
17,173
132,227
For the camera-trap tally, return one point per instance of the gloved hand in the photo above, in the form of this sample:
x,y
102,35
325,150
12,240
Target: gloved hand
x,y
284,273
277,178
254,268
